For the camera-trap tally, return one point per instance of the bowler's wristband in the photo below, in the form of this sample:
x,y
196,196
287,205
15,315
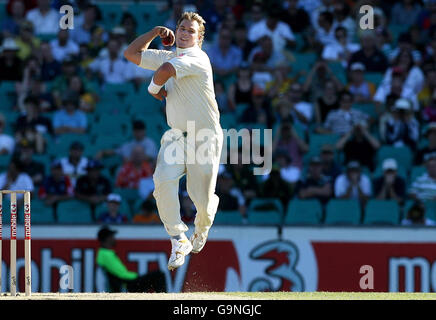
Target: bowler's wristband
x,y
154,88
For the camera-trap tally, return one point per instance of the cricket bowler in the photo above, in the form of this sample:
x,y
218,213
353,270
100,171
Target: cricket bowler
x,y
184,78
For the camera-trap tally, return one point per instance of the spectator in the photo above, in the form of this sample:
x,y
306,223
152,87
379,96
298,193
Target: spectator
x,y
50,68
15,179
240,40
26,41
147,213
176,12
325,29
402,129
265,56
7,143
82,34
119,277
343,120
341,13
341,49
426,95
359,145
412,76
416,216
296,17
276,187
431,147
87,97
326,102
301,111
405,12
280,85
240,91
93,187
74,166
289,172
280,33
386,115
319,76
330,167
243,178
225,57
231,197
63,46
361,89
390,186
112,214
33,168
129,23
287,140
112,69
11,68
369,55
56,187
315,185
44,18
119,34
11,25
139,138
259,111
424,186
353,184
70,119
60,83
134,170
405,43
97,44
256,14
32,125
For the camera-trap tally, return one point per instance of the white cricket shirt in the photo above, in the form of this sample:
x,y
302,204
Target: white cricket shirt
x,y
190,95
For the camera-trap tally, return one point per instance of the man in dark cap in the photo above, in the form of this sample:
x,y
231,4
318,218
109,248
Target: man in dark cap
x,y
118,276
93,187
75,164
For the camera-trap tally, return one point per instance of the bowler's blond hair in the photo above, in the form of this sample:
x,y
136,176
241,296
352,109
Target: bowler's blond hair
x,y
193,16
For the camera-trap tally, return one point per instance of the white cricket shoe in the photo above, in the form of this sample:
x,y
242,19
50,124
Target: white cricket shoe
x,y
180,249
198,240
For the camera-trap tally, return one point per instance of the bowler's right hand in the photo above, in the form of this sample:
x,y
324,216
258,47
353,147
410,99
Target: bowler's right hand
x,y
162,94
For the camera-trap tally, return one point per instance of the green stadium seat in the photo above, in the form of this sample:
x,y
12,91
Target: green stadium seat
x,y
74,211
265,211
4,162
367,108
147,15
111,13
416,172
316,141
381,212
374,77
303,212
228,217
342,212
303,62
228,121
403,155
41,213
7,95
240,108
338,70
60,146
122,90
128,194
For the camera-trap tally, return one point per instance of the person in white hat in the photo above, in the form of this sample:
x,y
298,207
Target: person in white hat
x,y
390,186
361,89
403,128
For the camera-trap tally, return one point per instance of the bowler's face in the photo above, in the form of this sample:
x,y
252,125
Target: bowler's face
x,y
187,34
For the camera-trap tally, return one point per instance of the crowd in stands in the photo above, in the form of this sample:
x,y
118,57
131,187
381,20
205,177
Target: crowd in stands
x,y
352,109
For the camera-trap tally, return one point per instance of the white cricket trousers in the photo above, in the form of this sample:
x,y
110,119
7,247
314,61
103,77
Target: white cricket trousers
x,y
172,163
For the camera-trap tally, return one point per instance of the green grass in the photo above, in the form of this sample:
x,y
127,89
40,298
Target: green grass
x,y
333,295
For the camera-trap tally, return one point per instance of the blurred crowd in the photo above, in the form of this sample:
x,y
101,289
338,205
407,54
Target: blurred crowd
x,y
352,109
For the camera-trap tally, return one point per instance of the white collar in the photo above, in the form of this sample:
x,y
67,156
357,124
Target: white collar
x,y
187,50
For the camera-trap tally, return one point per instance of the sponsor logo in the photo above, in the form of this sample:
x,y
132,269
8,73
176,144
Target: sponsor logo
x,y
284,258
411,266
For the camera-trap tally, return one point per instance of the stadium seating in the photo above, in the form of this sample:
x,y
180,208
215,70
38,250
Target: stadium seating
x,y
303,212
124,209
265,211
374,77
368,108
60,146
228,217
381,212
403,155
74,212
416,172
342,212
40,212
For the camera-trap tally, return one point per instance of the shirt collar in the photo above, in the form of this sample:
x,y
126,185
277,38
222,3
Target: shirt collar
x,y
183,51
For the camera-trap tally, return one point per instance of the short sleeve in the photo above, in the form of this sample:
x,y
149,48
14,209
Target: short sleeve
x,y
152,59
186,66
